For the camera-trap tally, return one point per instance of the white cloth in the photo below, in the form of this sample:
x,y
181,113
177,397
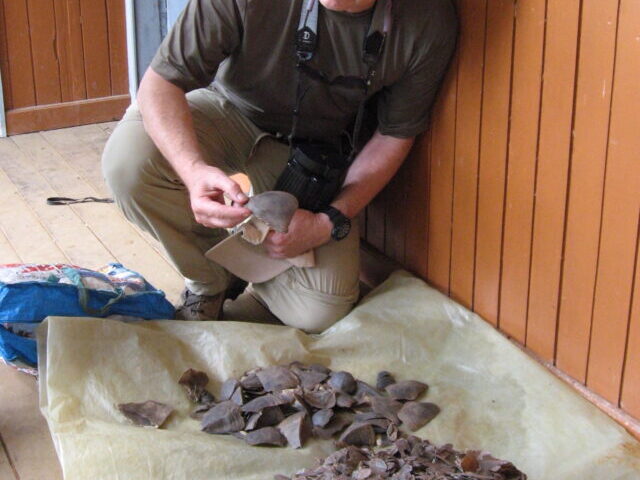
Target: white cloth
x,y
493,396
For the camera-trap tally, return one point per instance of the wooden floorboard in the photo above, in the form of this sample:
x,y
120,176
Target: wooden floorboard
x,y
82,149
24,430
103,220
7,253
63,162
26,235
79,244
108,126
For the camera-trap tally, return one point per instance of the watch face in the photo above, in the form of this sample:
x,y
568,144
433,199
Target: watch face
x,y
341,229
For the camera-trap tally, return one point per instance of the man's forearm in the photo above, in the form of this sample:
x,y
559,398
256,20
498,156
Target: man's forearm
x,y
168,122
372,169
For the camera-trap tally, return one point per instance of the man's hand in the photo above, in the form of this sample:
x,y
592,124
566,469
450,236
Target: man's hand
x,y
167,119
306,231
207,188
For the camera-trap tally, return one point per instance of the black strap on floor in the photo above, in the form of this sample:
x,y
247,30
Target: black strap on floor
x,y
71,201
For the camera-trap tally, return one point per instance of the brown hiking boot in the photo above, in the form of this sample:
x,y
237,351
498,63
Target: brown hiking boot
x,y
200,307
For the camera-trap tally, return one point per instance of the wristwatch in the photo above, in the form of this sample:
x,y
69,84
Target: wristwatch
x,y
341,224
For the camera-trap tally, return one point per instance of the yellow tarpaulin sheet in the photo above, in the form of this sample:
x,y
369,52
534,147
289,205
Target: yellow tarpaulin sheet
x,y
493,396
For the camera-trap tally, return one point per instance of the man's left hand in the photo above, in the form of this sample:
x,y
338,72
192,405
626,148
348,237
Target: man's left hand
x,y
306,231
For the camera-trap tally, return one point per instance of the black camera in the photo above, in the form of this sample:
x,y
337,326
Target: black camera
x,y
314,174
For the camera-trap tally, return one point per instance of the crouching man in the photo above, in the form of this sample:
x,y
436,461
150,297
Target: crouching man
x,y
241,86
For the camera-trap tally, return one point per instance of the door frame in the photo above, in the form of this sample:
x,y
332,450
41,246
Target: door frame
x,y
132,52
3,119
146,28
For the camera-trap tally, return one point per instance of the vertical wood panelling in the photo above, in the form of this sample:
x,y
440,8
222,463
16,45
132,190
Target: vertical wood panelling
x,y
593,103
441,182
417,206
42,29
19,44
362,224
69,50
63,62
552,174
4,62
523,142
117,47
395,216
467,140
493,154
615,273
375,222
96,47
631,386
523,199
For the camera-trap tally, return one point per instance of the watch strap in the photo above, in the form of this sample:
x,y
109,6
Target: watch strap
x,y
339,220
333,213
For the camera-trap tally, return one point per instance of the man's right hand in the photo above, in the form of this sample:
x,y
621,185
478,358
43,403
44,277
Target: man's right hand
x,y
167,120
207,188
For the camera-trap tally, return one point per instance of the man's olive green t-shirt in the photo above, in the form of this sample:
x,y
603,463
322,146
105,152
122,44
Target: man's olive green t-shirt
x,y
248,47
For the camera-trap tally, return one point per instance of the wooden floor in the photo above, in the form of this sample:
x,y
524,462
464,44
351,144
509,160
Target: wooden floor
x,y
33,167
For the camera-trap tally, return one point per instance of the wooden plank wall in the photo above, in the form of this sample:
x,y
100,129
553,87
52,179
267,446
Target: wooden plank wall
x,y
523,200
64,62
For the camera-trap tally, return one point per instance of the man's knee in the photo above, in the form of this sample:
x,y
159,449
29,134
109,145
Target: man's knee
x,y
310,311
126,161
318,316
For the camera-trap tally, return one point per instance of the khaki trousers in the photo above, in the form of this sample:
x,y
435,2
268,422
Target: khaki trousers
x,y
151,195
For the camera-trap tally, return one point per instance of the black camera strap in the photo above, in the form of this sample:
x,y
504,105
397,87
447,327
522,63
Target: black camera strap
x,y
306,45
307,34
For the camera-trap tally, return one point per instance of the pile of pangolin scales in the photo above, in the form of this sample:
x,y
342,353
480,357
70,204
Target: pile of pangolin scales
x,y
409,458
286,405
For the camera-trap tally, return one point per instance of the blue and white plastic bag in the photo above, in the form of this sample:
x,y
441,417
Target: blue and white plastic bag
x,y
29,293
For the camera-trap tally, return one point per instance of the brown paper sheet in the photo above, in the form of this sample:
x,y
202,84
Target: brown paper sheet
x,y
493,396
